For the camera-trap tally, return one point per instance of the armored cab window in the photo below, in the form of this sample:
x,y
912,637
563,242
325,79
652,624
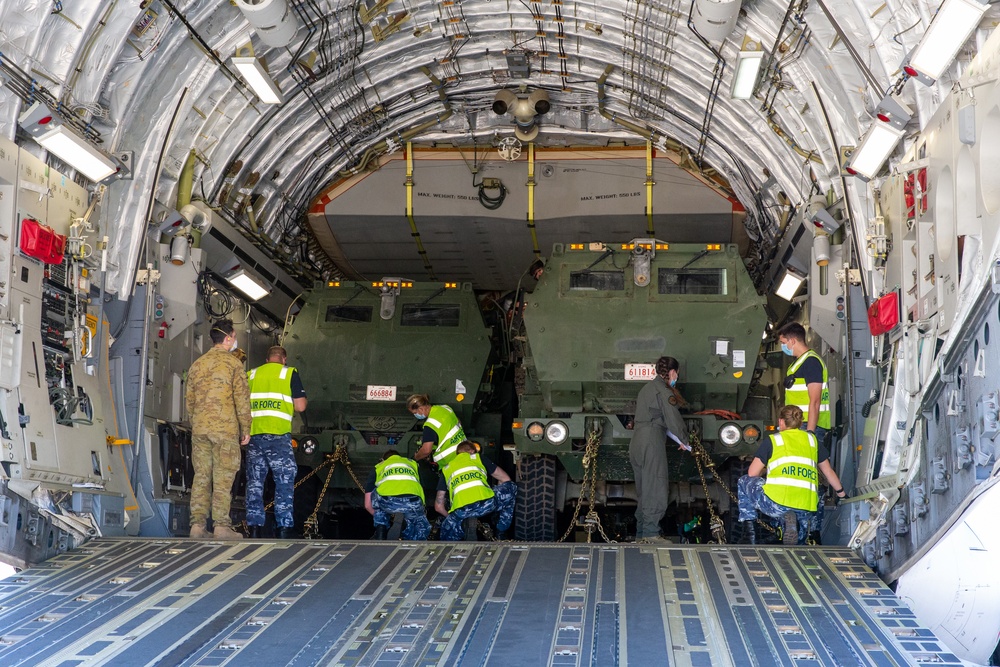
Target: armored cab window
x,y
606,281
693,281
417,315
348,313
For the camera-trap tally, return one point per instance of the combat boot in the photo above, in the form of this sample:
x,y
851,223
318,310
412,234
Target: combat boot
x,y
288,533
226,533
381,532
253,532
790,529
199,531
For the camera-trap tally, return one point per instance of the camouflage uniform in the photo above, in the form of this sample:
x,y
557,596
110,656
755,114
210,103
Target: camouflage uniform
x,y
411,507
502,502
218,404
752,499
274,451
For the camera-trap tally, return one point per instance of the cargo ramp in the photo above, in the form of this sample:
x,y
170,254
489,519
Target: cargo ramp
x,y
185,602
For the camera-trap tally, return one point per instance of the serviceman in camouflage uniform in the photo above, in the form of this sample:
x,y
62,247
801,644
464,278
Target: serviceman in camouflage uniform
x,y
276,393
465,485
393,487
218,404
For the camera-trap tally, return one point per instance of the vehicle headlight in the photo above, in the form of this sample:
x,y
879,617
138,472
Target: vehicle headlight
x,y
730,434
751,434
556,433
535,431
309,444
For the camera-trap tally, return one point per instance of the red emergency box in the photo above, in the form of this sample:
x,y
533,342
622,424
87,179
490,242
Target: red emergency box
x,y
42,242
883,314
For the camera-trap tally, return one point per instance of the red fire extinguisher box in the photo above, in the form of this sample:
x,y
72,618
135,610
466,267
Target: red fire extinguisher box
x,y
42,242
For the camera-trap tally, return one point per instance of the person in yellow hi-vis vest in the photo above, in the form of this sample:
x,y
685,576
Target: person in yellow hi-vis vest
x,y
394,487
806,381
792,459
442,429
276,393
465,487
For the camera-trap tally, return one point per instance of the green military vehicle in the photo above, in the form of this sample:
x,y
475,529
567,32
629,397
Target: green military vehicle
x,y
594,326
361,349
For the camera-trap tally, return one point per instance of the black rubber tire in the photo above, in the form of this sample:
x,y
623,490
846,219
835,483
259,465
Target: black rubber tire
x,y
535,509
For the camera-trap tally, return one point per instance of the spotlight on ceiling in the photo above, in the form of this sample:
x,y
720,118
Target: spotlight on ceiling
x,y
65,143
789,285
538,101
525,110
874,149
949,30
253,287
503,101
748,65
258,79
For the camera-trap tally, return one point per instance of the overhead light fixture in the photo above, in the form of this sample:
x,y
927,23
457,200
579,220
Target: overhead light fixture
x,y
789,285
949,30
256,76
62,141
893,110
873,150
253,287
78,153
748,64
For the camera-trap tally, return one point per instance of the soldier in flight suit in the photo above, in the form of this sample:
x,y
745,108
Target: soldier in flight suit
x,y
394,486
276,393
466,485
655,419
218,404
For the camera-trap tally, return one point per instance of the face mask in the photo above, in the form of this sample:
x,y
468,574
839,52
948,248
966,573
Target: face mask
x,y
787,350
234,345
673,383
419,416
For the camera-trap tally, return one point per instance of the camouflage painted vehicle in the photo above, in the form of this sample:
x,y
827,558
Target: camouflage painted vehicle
x,y
594,326
361,349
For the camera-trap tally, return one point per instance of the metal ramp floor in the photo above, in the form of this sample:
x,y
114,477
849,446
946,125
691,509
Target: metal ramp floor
x,y
130,602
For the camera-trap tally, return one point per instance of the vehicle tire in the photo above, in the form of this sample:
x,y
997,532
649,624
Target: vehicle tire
x,y
535,509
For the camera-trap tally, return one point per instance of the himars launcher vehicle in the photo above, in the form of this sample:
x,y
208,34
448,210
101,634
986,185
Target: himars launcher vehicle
x,y
594,326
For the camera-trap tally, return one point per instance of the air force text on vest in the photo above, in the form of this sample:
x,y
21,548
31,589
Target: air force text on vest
x,y
397,470
466,477
803,472
267,404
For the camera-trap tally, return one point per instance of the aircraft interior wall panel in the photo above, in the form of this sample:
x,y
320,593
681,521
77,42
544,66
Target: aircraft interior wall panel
x,y
33,184
824,292
8,212
926,290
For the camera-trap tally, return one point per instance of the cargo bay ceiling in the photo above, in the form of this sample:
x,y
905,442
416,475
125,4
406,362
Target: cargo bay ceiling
x,y
155,83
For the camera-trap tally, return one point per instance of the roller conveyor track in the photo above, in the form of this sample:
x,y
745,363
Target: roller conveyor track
x,y
183,602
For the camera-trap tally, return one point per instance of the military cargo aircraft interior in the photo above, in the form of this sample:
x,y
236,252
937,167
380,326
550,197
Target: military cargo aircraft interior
x,y
666,264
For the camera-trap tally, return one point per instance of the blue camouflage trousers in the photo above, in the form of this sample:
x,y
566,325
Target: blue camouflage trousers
x,y
274,452
752,499
411,507
502,502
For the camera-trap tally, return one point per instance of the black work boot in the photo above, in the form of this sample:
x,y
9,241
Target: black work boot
x,y
288,533
381,532
749,532
253,532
